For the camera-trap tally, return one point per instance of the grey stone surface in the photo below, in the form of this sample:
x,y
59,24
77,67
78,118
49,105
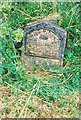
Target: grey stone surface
x,y
44,40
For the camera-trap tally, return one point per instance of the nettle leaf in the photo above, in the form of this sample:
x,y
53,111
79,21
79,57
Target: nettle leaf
x,y
22,48
5,28
18,35
5,6
75,44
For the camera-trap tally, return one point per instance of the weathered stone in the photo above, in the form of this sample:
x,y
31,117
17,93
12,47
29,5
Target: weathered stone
x,y
44,45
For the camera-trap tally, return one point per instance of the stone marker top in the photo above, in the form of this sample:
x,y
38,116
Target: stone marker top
x,y
47,38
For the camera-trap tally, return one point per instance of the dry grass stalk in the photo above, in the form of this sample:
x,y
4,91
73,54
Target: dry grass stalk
x,y
72,26
28,100
50,17
15,87
59,83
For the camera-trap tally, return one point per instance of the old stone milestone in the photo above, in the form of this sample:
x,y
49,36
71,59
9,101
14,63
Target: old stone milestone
x,y
44,44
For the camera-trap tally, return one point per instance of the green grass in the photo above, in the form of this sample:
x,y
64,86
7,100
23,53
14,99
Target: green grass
x,y
15,16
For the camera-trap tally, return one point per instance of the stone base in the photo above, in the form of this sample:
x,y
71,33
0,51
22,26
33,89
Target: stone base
x,y
40,64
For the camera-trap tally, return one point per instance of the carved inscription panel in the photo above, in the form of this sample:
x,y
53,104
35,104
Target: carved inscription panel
x,y
43,43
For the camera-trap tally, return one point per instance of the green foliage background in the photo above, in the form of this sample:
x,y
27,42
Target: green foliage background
x,y
14,17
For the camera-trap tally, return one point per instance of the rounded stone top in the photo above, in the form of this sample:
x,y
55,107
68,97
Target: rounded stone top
x,y
45,25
